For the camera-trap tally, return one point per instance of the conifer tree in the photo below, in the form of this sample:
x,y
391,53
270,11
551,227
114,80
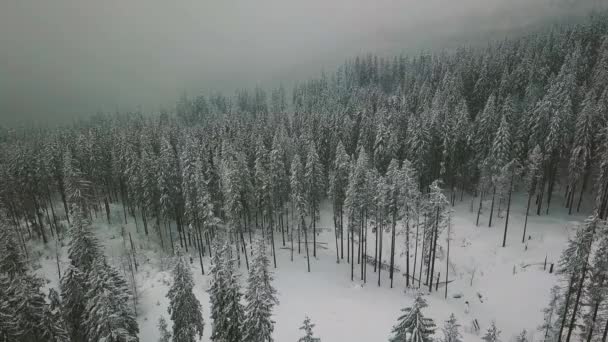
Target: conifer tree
x,y
450,330
313,176
307,328
83,250
261,298
12,262
109,317
165,335
217,289
523,337
492,334
299,200
412,325
184,307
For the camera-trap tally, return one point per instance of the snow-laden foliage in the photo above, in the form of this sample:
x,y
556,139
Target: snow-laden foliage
x,y
412,326
184,307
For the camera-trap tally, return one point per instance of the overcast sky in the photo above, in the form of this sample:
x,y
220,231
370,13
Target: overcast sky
x,y
63,58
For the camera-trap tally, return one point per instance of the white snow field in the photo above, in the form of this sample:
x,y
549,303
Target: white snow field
x,y
511,281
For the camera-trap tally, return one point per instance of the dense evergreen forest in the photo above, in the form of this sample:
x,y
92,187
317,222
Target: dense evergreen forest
x,y
384,140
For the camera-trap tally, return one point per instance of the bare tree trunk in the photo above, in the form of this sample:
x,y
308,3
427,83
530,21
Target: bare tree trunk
x,y
567,305
492,206
447,259
576,302
314,232
583,187
416,248
342,233
593,319
336,238
605,332
306,244
523,238
393,247
504,238
479,209
274,254
434,244
407,251
380,253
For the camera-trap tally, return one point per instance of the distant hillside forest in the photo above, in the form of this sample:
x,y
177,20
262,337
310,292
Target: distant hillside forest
x,y
384,139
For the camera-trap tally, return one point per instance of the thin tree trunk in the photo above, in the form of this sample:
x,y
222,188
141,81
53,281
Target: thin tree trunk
x,y
605,331
550,189
376,248
407,251
523,237
583,187
380,254
570,199
593,319
314,232
342,233
479,209
566,307
306,244
447,259
393,247
504,238
576,302
416,248
434,244
492,206
274,254
336,238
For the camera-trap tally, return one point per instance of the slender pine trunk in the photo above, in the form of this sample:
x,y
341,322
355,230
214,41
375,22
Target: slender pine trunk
x,y
492,206
504,238
306,245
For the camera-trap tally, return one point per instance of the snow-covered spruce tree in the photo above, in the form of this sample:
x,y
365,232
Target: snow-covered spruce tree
x,y
231,322
410,196
217,288
583,147
492,334
547,328
109,316
263,191
83,250
337,191
438,204
279,182
225,295
184,307
164,334
499,156
523,337
412,326
307,327
261,298
313,180
450,330
394,180
12,262
298,198
25,315
533,174
574,266
596,292
355,201
238,192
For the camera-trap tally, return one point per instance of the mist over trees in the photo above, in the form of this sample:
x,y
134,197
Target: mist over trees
x,y
386,140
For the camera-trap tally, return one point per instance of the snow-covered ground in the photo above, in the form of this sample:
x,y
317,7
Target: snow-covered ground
x,y
511,281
